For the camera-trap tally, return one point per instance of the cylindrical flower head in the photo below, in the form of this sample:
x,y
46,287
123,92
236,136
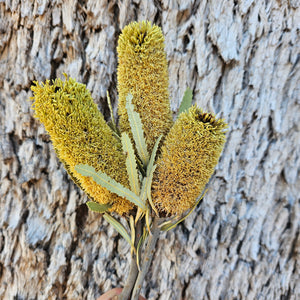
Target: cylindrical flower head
x,y
188,157
80,135
143,72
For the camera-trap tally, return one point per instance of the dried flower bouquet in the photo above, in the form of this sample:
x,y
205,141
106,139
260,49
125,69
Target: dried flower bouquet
x,y
149,169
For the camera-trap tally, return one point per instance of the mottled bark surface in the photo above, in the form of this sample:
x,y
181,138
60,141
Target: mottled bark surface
x,y
241,58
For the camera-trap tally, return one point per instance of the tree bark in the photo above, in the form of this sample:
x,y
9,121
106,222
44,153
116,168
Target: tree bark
x,y
241,59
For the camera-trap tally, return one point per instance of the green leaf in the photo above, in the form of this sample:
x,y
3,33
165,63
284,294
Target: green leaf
x,y
167,226
170,226
97,207
143,194
119,227
113,125
137,130
115,131
131,163
153,155
75,179
110,184
186,101
148,189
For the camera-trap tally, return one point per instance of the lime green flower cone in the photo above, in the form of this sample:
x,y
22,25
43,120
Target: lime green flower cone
x,y
188,157
80,135
143,72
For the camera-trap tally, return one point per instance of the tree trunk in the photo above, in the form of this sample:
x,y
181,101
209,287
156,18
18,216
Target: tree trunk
x,y
241,59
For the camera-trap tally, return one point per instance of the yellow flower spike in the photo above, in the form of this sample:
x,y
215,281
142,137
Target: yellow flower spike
x,y
143,72
188,157
80,135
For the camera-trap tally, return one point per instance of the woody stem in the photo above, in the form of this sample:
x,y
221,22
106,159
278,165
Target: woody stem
x,y
133,270
148,255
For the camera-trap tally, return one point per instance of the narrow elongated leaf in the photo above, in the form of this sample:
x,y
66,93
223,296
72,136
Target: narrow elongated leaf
x,y
137,130
141,168
110,184
143,194
97,207
148,188
132,228
119,227
148,180
168,225
153,155
186,101
131,163
113,123
76,180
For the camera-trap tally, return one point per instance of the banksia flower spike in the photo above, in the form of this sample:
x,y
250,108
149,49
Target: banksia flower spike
x,y
143,72
188,157
80,135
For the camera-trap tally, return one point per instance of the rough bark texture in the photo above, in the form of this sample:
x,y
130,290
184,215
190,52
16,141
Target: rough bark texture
x,y
241,58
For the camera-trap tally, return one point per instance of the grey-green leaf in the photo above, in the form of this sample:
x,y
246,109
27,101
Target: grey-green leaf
x,y
109,183
113,123
153,155
148,189
137,130
119,227
131,165
97,207
143,194
186,101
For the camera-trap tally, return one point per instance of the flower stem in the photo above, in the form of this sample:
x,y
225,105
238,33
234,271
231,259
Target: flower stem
x,y
148,255
133,270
